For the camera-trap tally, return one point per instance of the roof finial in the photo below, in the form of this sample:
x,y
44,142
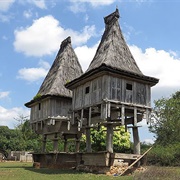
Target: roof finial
x,y
65,42
108,19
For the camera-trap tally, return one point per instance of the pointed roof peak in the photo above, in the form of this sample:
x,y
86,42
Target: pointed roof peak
x,y
113,50
65,68
111,17
65,42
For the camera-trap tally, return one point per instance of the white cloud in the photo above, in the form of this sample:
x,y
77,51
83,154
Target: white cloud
x,y
7,115
34,74
5,5
149,141
4,94
44,36
79,5
85,55
27,14
94,3
39,3
160,64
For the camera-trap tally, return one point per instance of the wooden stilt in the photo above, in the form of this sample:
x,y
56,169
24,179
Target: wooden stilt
x,y
109,138
135,116
89,120
88,139
136,140
55,144
65,145
77,145
44,143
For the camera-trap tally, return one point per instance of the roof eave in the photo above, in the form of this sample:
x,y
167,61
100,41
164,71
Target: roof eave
x,y
150,80
33,101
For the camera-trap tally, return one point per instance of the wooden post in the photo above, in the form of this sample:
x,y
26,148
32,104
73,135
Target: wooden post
x,y
44,143
122,115
147,116
88,139
55,144
89,120
77,145
109,110
65,145
135,116
137,148
81,120
109,138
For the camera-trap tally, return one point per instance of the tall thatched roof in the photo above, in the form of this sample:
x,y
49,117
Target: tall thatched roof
x,y
65,68
113,55
113,50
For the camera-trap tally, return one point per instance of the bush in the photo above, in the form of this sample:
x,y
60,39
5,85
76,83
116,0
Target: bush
x,y
165,155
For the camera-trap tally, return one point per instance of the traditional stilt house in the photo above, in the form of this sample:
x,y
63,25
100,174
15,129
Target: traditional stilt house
x,y
113,91
50,107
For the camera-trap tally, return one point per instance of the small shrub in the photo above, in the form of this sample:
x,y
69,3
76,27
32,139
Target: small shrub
x,y
165,155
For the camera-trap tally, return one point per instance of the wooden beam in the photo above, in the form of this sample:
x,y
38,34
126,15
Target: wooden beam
x,y
127,104
137,160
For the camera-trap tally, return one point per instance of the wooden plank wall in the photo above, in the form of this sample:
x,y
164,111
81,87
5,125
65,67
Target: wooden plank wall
x,y
110,87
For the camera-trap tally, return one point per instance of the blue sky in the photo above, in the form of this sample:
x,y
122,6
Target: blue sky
x,y
31,32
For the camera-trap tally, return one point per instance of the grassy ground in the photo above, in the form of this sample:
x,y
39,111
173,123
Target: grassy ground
x,y
25,171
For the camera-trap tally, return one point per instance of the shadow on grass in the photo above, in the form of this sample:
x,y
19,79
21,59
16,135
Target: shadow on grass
x,y
53,171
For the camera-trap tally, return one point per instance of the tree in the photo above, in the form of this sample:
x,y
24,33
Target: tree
x,y
166,120
121,139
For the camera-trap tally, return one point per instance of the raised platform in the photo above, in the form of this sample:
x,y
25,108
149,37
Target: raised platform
x,y
63,160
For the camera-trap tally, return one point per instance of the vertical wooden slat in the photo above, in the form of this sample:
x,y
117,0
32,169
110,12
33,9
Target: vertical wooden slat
x,y
135,116
81,120
89,120
73,117
122,115
108,109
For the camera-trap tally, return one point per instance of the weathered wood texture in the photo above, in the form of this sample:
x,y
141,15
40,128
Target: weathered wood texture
x,y
110,87
50,107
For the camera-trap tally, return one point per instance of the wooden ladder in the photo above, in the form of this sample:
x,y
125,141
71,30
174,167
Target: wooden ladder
x,y
137,160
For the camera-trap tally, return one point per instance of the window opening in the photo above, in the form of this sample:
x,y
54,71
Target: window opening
x,y
39,106
129,86
87,90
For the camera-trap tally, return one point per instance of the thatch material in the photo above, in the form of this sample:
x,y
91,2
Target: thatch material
x,y
113,55
65,68
113,50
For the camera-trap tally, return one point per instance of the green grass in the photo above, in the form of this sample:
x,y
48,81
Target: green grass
x,y
25,171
